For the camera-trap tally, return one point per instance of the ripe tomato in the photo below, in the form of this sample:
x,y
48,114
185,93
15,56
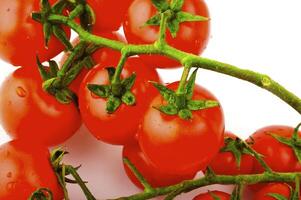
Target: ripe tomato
x,y
224,163
278,156
276,188
209,196
121,126
192,36
182,146
21,38
109,14
154,176
28,112
25,167
100,56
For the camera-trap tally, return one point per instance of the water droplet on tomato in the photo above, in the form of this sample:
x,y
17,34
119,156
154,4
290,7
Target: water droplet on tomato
x,y
9,175
21,92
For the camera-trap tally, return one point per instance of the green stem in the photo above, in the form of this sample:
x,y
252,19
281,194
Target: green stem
x,y
190,185
80,182
116,78
142,180
78,10
187,59
162,32
185,74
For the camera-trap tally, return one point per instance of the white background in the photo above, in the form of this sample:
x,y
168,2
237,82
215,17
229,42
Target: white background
x,y
262,35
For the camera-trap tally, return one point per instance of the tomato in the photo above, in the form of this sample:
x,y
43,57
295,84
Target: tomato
x,y
209,196
192,36
154,176
182,146
100,56
21,38
109,14
272,188
225,163
121,126
25,167
280,157
28,112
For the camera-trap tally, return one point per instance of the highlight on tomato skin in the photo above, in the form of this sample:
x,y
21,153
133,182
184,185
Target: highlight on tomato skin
x,y
28,112
210,196
192,36
182,146
154,176
120,127
22,38
25,167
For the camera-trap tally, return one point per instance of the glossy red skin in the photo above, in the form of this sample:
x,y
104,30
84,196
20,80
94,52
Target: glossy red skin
x,y
120,127
278,156
28,112
154,176
208,196
102,55
192,36
109,14
182,146
24,168
224,163
278,188
21,38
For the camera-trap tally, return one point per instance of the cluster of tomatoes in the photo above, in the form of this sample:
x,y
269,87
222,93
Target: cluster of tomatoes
x,y
164,148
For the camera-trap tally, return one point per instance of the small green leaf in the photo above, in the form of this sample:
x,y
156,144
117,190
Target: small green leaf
x,y
168,109
64,96
129,82
62,37
201,104
113,104
190,85
176,5
128,98
47,30
188,17
232,145
37,16
168,94
277,196
48,84
173,27
185,114
161,5
72,73
43,72
59,6
214,196
46,7
88,62
111,72
281,139
54,68
91,14
154,21
209,172
99,90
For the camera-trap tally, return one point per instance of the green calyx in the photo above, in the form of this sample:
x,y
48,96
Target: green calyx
x,y
50,28
182,104
115,93
41,194
294,193
294,142
175,15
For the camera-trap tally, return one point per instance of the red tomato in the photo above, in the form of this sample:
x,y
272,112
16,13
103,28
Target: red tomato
x,y
100,56
27,111
121,126
192,36
225,163
24,168
276,188
182,146
109,14
209,196
154,176
278,156
21,38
